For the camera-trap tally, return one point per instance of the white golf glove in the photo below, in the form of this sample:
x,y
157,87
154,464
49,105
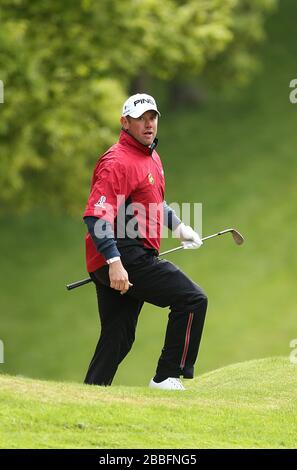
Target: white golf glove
x,y
189,238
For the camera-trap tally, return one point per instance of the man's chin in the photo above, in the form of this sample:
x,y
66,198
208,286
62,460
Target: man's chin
x,y
148,142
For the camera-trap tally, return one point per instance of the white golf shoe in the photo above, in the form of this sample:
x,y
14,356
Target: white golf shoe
x,y
171,383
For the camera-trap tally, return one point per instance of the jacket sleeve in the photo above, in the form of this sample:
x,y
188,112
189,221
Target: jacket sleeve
x,y
111,187
170,218
102,235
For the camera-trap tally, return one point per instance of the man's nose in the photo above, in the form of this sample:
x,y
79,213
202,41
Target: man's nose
x,y
149,123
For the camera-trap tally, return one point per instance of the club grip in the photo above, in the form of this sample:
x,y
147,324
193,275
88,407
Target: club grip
x,y
78,283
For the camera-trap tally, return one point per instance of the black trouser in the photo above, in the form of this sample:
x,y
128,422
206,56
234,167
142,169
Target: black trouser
x,y
158,282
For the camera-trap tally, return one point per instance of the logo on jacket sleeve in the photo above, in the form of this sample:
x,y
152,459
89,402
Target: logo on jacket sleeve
x,y
100,202
151,178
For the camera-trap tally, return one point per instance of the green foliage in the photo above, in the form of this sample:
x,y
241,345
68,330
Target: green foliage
x,y
57,114
239,60
66,69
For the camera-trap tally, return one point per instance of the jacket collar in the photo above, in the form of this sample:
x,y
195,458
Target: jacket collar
x,y
127,139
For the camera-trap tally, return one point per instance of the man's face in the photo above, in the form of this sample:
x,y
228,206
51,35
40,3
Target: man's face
x,y
144,128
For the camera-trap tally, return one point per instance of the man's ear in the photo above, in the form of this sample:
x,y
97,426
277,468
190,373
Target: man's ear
x,y
125,123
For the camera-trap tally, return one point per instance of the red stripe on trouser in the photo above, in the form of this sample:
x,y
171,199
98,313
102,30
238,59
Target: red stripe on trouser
x,y
187,340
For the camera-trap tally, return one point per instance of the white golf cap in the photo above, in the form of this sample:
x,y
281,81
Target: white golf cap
x,y
138,104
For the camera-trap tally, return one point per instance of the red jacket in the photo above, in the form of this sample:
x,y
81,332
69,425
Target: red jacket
x,y
130,169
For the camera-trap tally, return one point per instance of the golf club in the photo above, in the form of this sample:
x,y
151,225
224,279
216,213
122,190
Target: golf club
x,y
237,237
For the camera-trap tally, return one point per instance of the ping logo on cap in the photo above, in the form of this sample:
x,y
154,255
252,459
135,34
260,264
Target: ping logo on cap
x,y
143,100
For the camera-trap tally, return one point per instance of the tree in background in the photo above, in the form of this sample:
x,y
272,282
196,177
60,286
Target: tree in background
x,y
239,62
67,67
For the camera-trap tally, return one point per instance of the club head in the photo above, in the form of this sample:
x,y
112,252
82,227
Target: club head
x,y
237,237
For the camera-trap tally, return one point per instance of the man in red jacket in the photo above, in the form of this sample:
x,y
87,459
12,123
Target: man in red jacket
x,y
125,214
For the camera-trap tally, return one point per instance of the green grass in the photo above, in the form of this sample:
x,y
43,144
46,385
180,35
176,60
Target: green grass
x,y
245,405
239,159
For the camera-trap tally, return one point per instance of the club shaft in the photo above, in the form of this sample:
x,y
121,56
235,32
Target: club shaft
x,y
181,247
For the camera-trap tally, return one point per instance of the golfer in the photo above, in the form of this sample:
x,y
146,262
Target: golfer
x,y
124,215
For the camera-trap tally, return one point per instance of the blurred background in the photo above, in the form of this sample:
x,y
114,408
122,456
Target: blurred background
x,y
220,71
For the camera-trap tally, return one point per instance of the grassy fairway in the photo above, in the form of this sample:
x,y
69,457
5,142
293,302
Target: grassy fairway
x,y
245,405
239,159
